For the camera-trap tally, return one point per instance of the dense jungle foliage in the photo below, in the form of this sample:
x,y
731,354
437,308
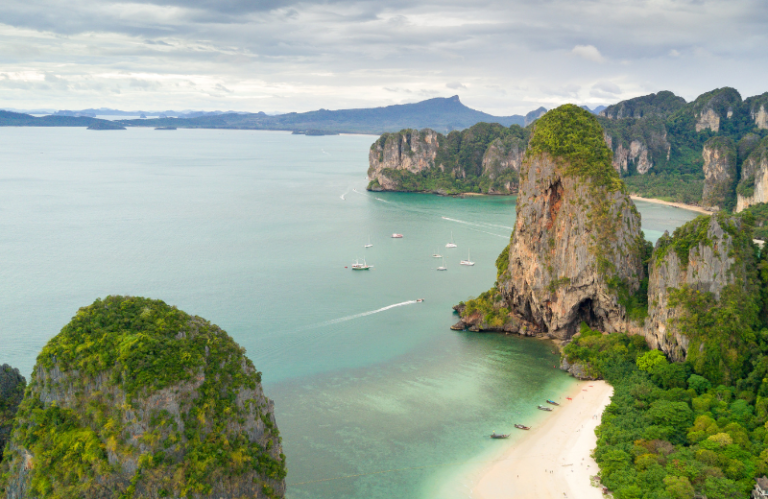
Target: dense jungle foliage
x,y
115,356
699,427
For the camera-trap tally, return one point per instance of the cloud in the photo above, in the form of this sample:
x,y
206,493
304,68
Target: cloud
x,y
268,54
588,52
605,89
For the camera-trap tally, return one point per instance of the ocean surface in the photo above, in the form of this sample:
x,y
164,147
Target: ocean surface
x,y
255,230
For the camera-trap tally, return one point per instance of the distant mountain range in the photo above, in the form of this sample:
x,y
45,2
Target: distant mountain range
x,y
439,114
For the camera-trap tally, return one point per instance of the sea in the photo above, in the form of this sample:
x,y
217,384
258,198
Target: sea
x,y
375,397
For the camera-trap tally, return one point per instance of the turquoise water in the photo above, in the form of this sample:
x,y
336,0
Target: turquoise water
x,y
375,396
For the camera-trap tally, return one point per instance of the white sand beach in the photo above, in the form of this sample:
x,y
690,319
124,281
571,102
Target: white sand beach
x,y
553,459
683,206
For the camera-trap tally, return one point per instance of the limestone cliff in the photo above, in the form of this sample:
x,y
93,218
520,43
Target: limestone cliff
x,y
757,106
703,256
660,104
576,251
12,386
135,398
753,186
719,156
483,158
711,108
637,144
409,150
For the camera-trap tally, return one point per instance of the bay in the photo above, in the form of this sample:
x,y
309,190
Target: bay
x,y
375,396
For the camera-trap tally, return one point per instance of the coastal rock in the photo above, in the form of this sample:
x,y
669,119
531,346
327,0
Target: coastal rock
x,y
637,144
135,398
577,370
409,150
577,239
753,186
704,256
719,155
12,385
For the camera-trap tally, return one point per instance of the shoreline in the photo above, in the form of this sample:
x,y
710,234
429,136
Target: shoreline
x,y
682,206
554,459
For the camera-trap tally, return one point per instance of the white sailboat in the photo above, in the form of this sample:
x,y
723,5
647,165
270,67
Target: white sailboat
x,y
468,261
436,255
369,245
451,244
442,266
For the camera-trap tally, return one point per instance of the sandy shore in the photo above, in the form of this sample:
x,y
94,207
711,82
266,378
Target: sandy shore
x,y
553,459
683,206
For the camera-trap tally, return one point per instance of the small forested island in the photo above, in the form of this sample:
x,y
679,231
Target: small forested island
x,y
105,125
165,128
137,399
314,133
680,330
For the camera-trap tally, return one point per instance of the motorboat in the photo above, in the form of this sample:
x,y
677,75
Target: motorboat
x,y
361,266
522,427
397,236
419,300
552,402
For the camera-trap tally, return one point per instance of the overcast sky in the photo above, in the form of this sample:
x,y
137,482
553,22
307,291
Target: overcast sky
x,y
502,57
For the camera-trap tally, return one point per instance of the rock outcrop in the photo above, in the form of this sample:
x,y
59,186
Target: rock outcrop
x,y
409,150
483,158
660,104
135,398
577,246
711,108
637,144
719,155
753,186
758,110
12,385
704,255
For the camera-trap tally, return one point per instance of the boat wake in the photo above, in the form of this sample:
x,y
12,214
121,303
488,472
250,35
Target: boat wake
x,y
478,225
356,316
482,224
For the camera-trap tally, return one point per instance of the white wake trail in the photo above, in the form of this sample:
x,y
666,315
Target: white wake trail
x,y
355,316
481,224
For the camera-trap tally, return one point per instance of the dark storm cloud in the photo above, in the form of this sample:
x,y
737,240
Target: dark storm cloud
x,y
502,56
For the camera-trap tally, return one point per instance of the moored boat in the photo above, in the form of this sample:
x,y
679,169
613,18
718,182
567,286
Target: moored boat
x,y
397,236
496,435
552,402
542,408
522,427
361,266
452,244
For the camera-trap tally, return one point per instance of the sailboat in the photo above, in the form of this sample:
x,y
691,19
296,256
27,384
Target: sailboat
x,y
442,267
436,255
369,245
468,261
451,244
361,266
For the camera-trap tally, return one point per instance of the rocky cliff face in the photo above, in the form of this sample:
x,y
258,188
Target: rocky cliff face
x,y
409,150
703,256
577,244
504,155
661,104
637,144
12,385
719,155
758,110
712,107
138,399
753,186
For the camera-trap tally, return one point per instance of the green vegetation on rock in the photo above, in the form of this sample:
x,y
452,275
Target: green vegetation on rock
x,y
139,398
12,385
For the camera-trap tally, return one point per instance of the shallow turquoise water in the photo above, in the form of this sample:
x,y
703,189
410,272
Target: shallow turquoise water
x,y
253,230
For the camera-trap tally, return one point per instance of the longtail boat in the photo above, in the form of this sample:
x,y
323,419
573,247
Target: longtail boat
x,y
496,435
552,402
542,408
522,427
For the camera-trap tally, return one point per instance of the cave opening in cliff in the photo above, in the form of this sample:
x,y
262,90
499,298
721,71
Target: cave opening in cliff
x,y
585,312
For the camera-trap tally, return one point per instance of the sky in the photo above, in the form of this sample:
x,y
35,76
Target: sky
x,y
502,57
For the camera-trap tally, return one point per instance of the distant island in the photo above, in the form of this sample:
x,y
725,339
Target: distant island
x,y
317,133
105,125
166,128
